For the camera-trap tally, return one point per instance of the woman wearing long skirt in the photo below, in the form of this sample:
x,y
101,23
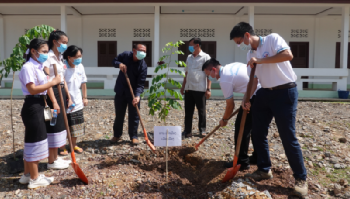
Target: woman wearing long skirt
x,y
57,134
76,78
34,85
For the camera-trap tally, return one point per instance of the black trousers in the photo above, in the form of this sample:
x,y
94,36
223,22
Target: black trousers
x,y
192,99
120,104
243,157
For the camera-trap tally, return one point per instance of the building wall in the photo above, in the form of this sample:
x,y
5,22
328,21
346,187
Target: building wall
x,y
84,31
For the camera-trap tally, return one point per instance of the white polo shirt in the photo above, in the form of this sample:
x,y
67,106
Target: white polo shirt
x,y
61,66
234,78
74,78
196,80
273,74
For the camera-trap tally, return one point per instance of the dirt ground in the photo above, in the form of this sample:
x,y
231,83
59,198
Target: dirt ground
x,y
126,171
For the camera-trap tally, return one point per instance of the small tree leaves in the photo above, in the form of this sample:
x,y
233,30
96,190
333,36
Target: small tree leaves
x,y
157,99
15,61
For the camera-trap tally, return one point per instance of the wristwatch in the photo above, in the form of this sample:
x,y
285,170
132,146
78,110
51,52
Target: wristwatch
x,y
224,120
208,89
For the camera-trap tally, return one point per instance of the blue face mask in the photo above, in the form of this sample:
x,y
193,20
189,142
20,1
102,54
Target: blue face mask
x,y
191,49
140,55
211,79
42,57
77,61
62,48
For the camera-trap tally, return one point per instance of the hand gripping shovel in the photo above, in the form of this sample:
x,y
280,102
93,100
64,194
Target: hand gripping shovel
x,y
138,112
75,165
213,131
233,171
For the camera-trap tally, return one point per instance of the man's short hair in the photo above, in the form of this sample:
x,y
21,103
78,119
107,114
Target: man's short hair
x,y
196,40
240,29
210,63
134,46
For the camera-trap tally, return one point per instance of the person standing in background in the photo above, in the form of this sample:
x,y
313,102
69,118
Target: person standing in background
x,y
196,88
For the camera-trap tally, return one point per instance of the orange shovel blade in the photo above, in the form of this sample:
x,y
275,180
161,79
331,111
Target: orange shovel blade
x,y
151,146
231,173
80,173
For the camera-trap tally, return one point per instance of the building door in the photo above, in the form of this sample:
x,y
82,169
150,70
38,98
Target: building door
x,y
107,51
208,47
337,55
148,58
300,59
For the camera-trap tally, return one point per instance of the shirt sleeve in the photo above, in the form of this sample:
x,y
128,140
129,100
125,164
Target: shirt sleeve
x,y
227,89
141,80
186,68
119,59
47,63
84,78
278,44
207,57
28,75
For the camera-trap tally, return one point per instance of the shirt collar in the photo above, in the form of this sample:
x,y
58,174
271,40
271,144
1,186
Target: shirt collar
x,y
261,43
52,54
201,53
36,64
221,69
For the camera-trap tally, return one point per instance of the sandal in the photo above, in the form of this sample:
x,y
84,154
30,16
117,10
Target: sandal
x,y
78,150
62,152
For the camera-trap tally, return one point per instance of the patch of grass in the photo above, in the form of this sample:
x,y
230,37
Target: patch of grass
x,y
319,148
307,159
338,174
304,147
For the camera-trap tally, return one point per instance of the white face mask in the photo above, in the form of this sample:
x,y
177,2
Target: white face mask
x,y
245,47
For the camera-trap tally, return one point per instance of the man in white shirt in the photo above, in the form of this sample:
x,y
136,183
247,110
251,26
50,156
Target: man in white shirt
x,y
277,98
234,77
196,88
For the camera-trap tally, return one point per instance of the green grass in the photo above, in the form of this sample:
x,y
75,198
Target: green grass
x,y
320,148
338,174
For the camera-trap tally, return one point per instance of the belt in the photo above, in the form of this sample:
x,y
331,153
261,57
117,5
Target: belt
x,y
284,86
36,96
56,86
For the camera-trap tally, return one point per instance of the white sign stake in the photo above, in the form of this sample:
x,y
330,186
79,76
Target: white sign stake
x,y
166,163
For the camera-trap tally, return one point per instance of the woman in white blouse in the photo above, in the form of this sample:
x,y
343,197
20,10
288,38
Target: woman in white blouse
x,y
34,86
76,79
57,134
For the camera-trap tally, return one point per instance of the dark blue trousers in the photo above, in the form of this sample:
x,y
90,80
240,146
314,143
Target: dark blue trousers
x,y
281,104
120,104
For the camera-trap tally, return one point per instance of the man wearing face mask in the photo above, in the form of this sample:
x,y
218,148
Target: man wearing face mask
x,y
277,98
196,87
234,77
133,63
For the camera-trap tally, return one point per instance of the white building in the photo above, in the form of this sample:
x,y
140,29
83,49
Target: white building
x,y
315,31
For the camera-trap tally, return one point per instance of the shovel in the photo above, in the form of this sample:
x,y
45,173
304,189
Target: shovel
x,y
213,131
75,165
138,112
233,171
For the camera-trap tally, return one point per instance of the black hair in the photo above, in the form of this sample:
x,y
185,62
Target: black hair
x,y
71,52
211,62
240,29
196,40
134,46
36,45
55,35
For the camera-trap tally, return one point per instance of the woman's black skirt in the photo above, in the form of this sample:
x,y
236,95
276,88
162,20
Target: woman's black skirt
x,y
57,134
35,138
76,123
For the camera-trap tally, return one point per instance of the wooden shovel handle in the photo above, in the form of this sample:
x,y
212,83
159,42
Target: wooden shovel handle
x,y
65,116
244,115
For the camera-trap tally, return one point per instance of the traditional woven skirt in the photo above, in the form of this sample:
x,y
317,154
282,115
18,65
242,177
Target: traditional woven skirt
x,y
35,138
76,123
57,135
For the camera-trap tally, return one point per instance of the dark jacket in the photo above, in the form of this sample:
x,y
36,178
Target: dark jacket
x,y
137,72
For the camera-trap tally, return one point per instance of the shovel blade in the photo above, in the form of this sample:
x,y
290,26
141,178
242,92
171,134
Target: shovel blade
x,y
149,143
80,173
231,173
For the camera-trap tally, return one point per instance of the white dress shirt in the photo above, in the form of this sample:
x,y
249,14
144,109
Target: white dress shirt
x,y
196,80
61,66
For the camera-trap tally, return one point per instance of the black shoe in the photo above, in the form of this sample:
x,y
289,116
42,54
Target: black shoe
x,y
242,168
186,135
253,160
